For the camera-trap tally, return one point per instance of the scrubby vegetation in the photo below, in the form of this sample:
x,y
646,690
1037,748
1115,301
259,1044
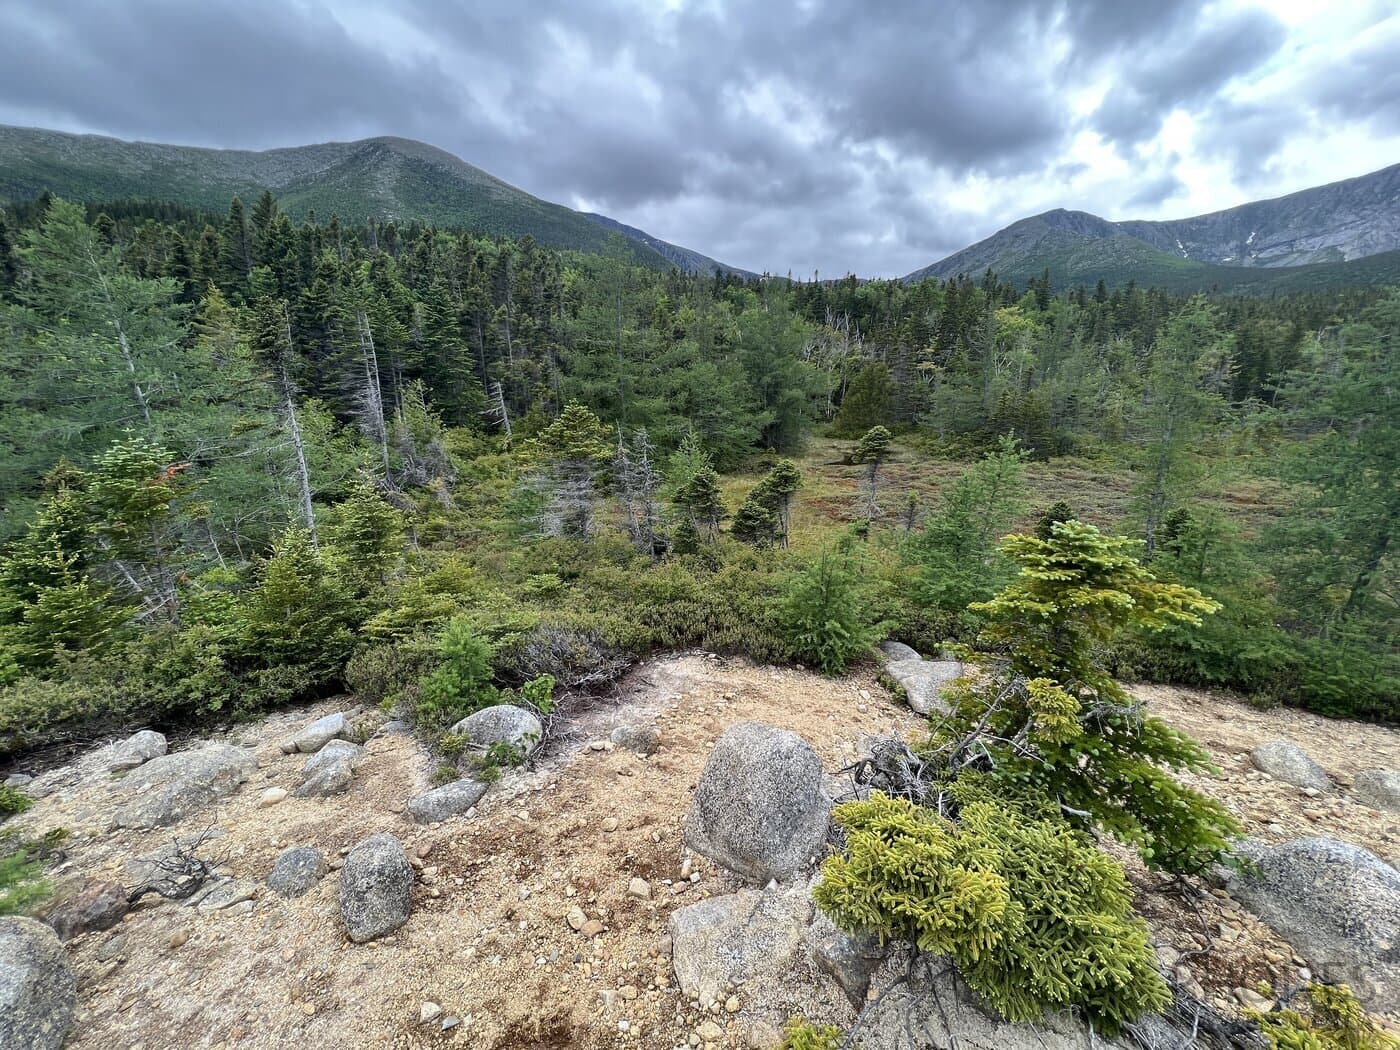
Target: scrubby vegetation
x,y
978,842
1325,1017
248,462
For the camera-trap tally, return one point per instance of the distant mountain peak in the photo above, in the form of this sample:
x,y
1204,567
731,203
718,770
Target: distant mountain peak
x,y
1339,222
384,177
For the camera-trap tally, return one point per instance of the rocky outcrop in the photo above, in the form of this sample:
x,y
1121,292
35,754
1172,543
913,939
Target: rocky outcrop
x,y
752,935
170,788
895,651
96,906
1378,788
501,724
38,990
321,732
296,871
443,803
376,888
330,770
923,682
938,1011
852,960
1286,761
136,749
1337,904
759,807
224,895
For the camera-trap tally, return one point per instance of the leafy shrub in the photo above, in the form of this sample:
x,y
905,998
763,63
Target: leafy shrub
x,y
1034,915
23,886
539,693
1330,1019
824,615
461,683
487,764
22,883
574,650
38,711
391,675
12,801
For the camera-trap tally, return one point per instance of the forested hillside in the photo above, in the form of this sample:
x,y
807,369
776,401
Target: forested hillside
x,y
247,459
383,178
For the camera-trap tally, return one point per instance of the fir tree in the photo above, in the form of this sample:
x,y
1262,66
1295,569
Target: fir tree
x,y
873,450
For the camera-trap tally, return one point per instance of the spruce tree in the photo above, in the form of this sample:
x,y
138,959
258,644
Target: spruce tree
x,y
873,450
867,402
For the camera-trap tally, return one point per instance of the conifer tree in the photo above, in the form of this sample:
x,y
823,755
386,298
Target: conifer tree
x,y
696,492
873,450
766,514
568,457
867,403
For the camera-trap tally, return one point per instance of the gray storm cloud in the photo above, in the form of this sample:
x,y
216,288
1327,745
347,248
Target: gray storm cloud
x,y
820,135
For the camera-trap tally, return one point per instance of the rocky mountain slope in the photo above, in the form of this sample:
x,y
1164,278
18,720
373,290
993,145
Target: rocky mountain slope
x,y
572,905
384,178
683,259
1331,225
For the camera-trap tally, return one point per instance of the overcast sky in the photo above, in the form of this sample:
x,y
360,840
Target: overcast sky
x,y
864,137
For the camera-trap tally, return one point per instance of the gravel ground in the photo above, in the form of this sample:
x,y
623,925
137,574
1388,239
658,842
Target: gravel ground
x,y
489,942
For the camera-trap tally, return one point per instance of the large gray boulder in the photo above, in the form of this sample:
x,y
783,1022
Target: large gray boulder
x,y
940,1012
171,787
296,871
750,936
136,749
96,905
321,732
1378,788
760,808
376,888
450,800
1337,904
924,682
897,651
330,770
501,724
38,989
1286,761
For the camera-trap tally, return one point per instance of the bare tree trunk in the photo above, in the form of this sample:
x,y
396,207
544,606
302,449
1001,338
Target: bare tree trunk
x,y
127,356
498,410
372,399
289,412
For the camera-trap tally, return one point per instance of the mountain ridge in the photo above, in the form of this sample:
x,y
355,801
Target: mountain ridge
x,y
382,177
1339,222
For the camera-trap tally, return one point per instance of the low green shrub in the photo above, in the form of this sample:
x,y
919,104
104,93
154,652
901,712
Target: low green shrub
x,y
804,1035
461,683
22,883
12,801
1035,916
824,615
1329,1018
391,674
